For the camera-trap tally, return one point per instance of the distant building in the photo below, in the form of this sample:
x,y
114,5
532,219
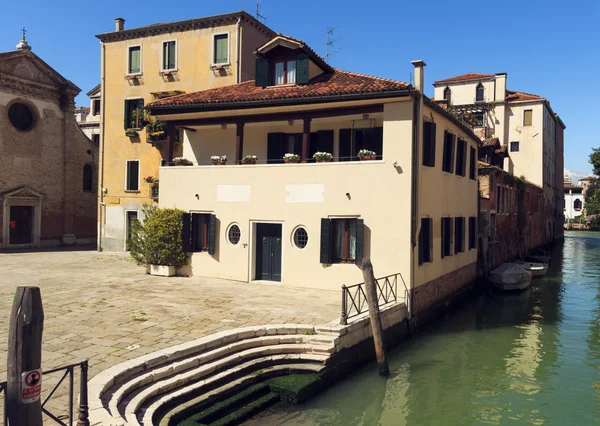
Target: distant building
x,y
47,167
574,199
525,125
586,182
89,118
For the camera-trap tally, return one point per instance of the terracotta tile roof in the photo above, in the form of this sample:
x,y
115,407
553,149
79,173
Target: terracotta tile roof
x,y
490,142
468,76
329,84
502,150
514,96
589,178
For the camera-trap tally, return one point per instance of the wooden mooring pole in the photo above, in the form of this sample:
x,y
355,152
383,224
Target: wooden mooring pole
x,y
24,373
376,326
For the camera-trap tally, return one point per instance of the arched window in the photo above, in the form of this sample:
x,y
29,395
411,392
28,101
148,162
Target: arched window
x,y
479,93
577,204
447,95
88,178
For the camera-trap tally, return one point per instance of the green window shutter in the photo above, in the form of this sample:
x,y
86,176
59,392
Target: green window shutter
x,y
186,233
262,72
444,237
326,241
212,222
302,65
275,148
430,225
360,241
135,60
432,136
126,115
452,153
221,49
421,242
345,145
133,172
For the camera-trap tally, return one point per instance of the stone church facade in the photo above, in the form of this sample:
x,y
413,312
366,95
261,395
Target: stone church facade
x,y
48,167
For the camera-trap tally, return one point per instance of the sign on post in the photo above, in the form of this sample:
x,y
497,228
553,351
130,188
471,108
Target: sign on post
x,y
31,386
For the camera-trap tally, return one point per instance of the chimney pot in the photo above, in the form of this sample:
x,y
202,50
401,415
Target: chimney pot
x,y
119,24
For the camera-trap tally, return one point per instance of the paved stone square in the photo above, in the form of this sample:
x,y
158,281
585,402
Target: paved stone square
x,y
104,308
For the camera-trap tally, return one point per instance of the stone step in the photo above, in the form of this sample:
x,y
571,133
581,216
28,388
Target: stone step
x,y
229,388
147,410
115,395
130,406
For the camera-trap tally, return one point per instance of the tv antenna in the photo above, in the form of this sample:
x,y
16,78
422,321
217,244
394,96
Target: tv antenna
x,y
259,15
330,42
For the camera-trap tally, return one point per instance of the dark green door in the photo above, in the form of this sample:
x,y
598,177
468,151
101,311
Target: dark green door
x,y
268,252
21,225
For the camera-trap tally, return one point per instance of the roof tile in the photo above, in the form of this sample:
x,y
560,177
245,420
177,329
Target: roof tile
x,y
514,96
468,76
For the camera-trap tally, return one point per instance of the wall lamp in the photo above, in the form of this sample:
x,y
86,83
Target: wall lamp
x,y
291,122
223,126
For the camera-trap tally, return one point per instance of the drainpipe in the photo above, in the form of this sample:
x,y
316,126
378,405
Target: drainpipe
x,y
101,156
238,30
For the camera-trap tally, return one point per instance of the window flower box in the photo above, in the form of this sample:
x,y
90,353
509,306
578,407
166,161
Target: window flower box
x,y
131,133
323,157
219,160
291,158
156,130
249,159
163,271
366,155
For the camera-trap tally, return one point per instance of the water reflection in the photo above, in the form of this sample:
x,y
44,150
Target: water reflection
x,y
529,358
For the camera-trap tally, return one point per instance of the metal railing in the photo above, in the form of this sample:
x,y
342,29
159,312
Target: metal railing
x,y
354,298
69,370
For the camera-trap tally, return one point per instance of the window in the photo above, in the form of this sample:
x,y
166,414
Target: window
x,y
472,163
459,234
169,56
448,164
21,116
221,49
426,241
342,241
577,205
461,157
285,72
514,147
429,133
96,107
96,138
528,117
133,175
131,216
446,237
234,234
198,232
479,93
448,95
88,178
300,237
134,113
472,233
353,140
134,63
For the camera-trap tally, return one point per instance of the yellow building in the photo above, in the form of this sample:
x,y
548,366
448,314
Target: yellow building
x,y
410,207
144,64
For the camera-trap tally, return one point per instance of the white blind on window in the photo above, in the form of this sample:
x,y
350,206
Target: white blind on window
x,y
134,60
291,71
279,73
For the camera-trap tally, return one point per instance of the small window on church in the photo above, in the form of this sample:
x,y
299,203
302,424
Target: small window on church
x,y
88,178
21,116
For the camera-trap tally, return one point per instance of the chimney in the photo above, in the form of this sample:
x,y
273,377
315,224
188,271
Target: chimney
x,y
119,24
500,87
419,75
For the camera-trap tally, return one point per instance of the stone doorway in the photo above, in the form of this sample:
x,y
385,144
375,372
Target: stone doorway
x,y
21,218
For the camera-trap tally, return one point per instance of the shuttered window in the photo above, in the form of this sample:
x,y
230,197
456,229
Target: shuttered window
x,y
133,175
199,232
134,113
472,232
426,241
446,237
342,241
461,157
353,140
429,133
221,49
169,55
88,178
479,93
528,117
285,72
472,163
262,72
135,60
448,160
459,234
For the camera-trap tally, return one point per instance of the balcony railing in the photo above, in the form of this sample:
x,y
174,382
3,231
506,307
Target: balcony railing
x,y
270,162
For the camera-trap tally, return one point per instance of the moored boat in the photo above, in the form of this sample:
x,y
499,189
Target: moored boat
x,y
510,276
536,269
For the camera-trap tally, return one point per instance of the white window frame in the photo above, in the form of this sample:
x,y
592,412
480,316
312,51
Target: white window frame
x,y
127,60
212,49
139,176
162,55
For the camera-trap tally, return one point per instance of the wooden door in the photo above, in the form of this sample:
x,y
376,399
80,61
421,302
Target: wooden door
x,y
21,225
268,252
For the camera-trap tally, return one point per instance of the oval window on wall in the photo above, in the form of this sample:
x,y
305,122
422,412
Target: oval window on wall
x,y
300,237
21,116
234,234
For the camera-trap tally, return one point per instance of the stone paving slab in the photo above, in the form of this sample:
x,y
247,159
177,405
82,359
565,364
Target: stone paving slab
x,y
103,307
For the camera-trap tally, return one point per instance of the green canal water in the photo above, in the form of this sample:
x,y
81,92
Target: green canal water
x,y
499,359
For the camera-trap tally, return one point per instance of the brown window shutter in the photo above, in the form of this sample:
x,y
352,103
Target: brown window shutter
x,y
326,238
360,241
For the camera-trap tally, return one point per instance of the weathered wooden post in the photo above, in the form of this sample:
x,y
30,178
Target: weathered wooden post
x,y
24,375
376,326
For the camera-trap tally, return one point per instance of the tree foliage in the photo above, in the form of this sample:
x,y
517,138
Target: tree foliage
x,y
157,241
595,160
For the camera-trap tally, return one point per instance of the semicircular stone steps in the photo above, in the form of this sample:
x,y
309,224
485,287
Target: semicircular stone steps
x,y
143,390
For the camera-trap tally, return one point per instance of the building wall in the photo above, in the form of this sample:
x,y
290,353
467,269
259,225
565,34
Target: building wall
x,y
194,57
569,199
464,93
528,161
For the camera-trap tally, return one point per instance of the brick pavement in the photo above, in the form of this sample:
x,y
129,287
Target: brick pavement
x,y
103,307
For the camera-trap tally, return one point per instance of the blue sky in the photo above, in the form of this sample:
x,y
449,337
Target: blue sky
x,y
550,48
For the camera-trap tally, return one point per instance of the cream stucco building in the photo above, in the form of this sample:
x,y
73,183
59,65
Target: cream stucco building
x,y
524,123
141,65
88,118
411,209
574,199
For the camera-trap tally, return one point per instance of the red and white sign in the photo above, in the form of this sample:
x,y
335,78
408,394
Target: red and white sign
x,y
31,386
13,224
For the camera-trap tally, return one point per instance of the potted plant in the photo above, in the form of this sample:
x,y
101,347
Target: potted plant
x,y
366,155
323,157
291,158
156,131
249,159
219,160
180,161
